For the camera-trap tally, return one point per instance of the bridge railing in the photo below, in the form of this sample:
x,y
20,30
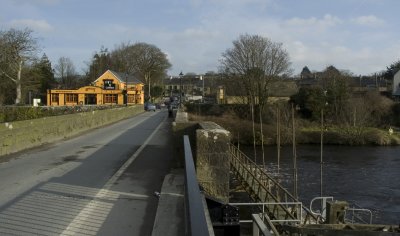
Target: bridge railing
x,y
195,209
266,189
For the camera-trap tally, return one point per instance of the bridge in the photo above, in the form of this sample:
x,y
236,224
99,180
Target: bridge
x,y
273,209
141,176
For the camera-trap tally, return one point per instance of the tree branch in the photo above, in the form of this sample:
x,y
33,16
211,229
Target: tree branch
x,y
8,76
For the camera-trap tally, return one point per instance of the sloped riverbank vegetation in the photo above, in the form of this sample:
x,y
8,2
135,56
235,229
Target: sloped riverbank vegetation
x,y
235,118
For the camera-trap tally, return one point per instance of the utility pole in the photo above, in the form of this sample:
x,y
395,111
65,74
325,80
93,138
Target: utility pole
x,y
202,98
322,149
294,155
278,136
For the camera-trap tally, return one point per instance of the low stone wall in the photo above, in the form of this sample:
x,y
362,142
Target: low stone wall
x,y
20,135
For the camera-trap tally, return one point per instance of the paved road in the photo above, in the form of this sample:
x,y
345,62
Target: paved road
x,y
100,183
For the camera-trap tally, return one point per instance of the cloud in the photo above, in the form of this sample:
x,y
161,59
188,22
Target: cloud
x,y
370,20
363,60
326,22
36,25
37,2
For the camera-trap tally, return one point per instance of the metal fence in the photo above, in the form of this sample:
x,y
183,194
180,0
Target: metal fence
x,y
195,209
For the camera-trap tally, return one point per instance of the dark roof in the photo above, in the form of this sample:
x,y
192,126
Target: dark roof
x,y
122,77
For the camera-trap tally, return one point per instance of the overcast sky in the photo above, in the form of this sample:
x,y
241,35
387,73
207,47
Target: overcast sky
x,y
361,36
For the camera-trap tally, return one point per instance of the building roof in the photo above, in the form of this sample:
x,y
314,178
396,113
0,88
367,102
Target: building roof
x,y
121,76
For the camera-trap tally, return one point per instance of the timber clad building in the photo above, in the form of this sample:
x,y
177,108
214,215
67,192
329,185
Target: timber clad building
x,y
108,89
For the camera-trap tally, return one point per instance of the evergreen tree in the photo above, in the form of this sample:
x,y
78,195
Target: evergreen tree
x,y
392,70
47,80
305,73
101,62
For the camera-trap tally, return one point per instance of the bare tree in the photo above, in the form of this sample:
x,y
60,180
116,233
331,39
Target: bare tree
x,y
257,61
16,47
145,60
65,72
338,92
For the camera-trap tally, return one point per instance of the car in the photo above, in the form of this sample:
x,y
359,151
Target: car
x,y
150,107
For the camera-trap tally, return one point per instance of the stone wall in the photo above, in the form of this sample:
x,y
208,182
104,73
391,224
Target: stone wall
x,y
212,160
209,143
20,135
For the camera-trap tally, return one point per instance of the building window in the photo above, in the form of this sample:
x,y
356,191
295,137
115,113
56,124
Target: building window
x,y
131,98
110,98
54,97
70,97
109,85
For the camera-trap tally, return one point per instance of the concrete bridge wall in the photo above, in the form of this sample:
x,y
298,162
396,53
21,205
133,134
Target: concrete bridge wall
x,y
209,143
20,135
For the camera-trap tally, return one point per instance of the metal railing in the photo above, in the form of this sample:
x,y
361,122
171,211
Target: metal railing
x,y
322,211
263,188
259,226
354,214
357,217
297,205
195,210
262,223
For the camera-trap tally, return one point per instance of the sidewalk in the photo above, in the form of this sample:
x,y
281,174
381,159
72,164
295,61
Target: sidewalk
x,y
170,211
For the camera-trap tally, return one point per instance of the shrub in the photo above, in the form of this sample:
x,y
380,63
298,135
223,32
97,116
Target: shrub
x,y
17,113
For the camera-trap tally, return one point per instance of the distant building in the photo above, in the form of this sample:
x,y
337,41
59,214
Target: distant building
x,y
364,84
192,87
279,90
108,89
396,85
358,84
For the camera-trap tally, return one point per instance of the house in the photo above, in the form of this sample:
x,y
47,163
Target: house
x,y
111,88
279,90
191,86
396,85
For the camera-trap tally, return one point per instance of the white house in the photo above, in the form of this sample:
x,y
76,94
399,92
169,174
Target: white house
x,y
396,85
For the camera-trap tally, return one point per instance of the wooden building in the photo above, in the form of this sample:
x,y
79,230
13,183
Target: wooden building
x,y
108,89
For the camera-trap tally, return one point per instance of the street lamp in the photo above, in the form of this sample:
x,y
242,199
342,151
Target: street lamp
x,y
180,88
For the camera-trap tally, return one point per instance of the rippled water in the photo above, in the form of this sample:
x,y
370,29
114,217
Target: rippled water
x,y
369,176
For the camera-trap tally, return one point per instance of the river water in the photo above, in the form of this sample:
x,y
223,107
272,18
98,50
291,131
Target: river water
x,y
368,176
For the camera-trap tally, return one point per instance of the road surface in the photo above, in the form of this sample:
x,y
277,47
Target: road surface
x,y
100,183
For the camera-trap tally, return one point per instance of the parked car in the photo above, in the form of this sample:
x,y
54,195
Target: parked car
x,y
150,107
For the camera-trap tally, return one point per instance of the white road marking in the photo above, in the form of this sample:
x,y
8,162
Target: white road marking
x,y
93,204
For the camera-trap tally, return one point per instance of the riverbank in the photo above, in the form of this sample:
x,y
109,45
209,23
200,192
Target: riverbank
x,y
306,133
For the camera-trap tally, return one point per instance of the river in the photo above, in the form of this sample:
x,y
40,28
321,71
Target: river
x,y
368,176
